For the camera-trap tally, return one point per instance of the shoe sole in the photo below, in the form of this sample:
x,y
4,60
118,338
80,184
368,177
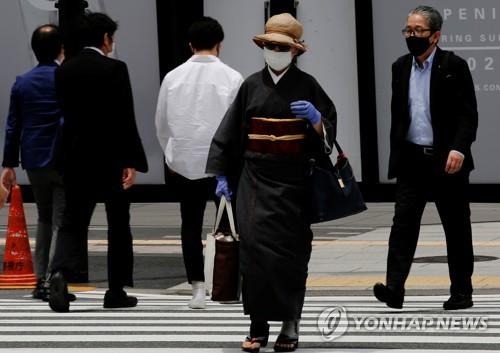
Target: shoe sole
x,y
58,300
118,306
108,306
445,307
380,294
196,307
192,305
282,349
39,296
71,298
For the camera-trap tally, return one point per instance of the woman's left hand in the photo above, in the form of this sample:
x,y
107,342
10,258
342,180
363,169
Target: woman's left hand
x,y
306,110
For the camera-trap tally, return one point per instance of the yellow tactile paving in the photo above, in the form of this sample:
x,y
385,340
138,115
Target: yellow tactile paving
x,y
421,282
80,287
16,287
433,243
326,242
71,287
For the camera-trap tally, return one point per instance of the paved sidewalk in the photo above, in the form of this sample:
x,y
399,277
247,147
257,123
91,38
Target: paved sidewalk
x,y
359,261
348,254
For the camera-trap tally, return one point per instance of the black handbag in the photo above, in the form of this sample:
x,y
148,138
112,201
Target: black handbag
x,y
334,191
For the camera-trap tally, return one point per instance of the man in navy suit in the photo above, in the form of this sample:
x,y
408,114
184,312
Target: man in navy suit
x,y
34,127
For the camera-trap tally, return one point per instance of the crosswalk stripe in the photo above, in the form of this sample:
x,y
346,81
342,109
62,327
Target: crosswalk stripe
x,y
142,303
97,311
166,320
165,302
225,350
490,298
243,329
125,323
220,337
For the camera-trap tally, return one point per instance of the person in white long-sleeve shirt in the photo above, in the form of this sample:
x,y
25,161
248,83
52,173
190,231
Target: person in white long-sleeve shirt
x,y
192,102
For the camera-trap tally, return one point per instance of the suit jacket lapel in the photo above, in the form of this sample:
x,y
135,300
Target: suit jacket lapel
x,y
405,82
435,74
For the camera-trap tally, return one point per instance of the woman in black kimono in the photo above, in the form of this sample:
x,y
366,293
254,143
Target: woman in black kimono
x,y
280,119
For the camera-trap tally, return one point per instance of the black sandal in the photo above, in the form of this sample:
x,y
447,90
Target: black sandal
x,y
253,344
286,343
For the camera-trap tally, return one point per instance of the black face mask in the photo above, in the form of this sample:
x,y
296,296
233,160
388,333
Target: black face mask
x,y
418,45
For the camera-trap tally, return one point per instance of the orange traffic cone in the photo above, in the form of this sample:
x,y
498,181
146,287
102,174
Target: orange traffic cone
x,y
17,261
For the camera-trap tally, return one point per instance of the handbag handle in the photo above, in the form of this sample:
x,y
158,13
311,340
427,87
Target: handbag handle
x,y
220,211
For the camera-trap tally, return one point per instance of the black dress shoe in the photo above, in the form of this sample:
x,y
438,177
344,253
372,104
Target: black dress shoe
x,y
118,299
458,301
40,292
58,297
71,297
388,296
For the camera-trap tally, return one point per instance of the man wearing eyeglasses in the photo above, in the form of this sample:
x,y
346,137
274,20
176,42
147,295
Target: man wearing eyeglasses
x,y
434,122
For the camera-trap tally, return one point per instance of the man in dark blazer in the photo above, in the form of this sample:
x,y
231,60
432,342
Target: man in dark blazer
x,y
102,152
33,131
434,122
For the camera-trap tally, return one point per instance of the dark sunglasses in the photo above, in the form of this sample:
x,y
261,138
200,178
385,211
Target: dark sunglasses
x,y
277,47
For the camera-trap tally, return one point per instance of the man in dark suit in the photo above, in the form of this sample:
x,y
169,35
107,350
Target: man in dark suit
x,y
103,151
434,122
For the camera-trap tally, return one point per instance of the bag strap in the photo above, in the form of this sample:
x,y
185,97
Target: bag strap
x,y
339,149
337,146
220,212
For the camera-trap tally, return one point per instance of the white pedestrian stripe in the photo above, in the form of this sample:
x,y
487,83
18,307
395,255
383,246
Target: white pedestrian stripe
x,y
166,321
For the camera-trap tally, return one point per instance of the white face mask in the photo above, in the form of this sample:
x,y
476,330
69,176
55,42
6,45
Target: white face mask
x,y
277,60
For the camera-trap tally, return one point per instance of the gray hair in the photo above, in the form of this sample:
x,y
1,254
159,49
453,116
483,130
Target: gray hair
x,y
432,16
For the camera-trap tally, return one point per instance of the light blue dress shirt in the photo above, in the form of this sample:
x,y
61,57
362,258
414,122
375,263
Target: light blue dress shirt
x,y
420,131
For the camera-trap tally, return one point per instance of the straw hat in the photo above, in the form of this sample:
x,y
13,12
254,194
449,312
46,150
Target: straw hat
x,y
282,29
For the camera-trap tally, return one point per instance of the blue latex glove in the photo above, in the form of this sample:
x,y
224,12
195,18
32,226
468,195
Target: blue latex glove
x,y
305,110
223,188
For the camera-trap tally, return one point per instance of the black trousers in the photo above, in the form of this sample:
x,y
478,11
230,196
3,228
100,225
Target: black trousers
x,y
81,199
193,195
422,182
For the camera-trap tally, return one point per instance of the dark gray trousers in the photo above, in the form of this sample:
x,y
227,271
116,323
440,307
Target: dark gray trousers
x,y
49,198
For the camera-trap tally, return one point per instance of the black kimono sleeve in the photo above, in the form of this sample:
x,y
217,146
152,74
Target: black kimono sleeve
x,y
225,154
328,113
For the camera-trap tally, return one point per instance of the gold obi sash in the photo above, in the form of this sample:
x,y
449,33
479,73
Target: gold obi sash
x,y
279,136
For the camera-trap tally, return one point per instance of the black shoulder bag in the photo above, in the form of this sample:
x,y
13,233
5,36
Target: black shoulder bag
x,y
334,191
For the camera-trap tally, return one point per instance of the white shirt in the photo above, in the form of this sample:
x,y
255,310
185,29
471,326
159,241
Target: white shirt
x,y
96,49
192,102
